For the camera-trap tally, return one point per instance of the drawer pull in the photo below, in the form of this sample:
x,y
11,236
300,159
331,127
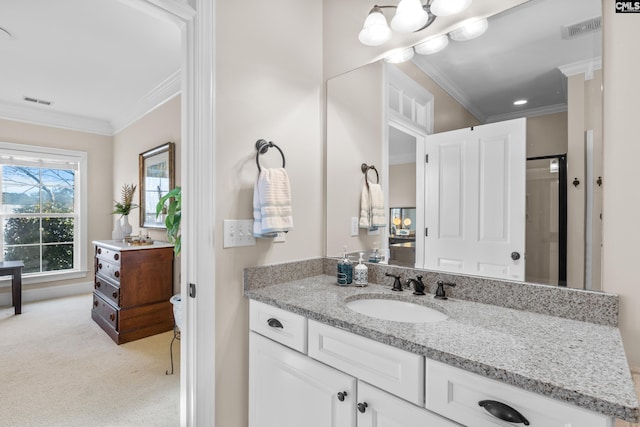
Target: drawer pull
x,y
275,323
113,316
342,395
99,251
117,274
115,294
99,266
116,256
97,285
362,407
95,303
504,412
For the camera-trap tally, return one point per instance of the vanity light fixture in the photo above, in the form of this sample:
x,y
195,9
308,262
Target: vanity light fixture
x,y
432,45
410,16
469,29
399,55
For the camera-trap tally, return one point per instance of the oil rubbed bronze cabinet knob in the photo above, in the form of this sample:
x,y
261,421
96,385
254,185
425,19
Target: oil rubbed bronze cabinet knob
x,y
97,285
116,256
99,251
117,274
112,317
99,266
115,294
95,303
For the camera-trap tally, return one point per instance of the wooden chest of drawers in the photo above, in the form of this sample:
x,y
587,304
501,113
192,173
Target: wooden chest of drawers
x,y
132,289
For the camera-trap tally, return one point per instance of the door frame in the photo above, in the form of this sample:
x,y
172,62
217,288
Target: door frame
x,y
196,20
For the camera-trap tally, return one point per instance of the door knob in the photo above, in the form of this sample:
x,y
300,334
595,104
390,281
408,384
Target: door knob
x,y
515,256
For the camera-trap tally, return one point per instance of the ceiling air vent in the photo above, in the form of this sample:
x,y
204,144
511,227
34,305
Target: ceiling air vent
x,y
36,101
581,28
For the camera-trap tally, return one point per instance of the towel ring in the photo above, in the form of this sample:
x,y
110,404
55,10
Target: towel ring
x,y
365,170
263,146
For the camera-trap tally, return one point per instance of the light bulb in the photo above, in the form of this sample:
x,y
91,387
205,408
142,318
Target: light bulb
x,y
410,16
375,30
399,55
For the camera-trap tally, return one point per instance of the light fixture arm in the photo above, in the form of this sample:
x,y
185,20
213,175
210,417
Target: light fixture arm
x,y
426,7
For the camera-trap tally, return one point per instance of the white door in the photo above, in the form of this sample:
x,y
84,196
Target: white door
x,y
288,389
475,200
377,408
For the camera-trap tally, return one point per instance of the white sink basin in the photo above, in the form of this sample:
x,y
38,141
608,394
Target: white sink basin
x,y
397,311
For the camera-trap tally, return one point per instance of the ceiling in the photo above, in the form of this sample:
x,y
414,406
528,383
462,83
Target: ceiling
x,y
519,57
101,63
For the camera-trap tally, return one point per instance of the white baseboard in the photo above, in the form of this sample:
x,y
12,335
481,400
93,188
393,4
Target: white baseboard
x,y
39,294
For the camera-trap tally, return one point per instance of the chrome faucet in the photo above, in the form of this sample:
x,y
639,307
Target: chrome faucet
x,y
418,285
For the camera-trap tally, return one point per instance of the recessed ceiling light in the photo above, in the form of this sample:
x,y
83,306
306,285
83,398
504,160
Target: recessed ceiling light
x,y
4,34
520,102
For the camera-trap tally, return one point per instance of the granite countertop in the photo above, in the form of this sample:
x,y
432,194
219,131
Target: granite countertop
x,y
569,360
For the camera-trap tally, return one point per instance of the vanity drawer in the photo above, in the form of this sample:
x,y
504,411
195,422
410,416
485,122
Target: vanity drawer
x,y
109,255
455,393
107,269
282,326
107,290
396,371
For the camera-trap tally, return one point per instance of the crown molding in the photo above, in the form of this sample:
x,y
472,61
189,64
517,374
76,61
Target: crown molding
x,y
532,112
157,96
586,67
55,119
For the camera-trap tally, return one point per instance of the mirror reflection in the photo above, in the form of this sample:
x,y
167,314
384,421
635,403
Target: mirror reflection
x,y
390,127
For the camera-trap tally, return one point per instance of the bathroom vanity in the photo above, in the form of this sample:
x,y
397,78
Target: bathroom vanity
x,y
316,362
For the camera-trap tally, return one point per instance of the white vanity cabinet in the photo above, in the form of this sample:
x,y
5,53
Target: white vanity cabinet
x,y
335,378
288,389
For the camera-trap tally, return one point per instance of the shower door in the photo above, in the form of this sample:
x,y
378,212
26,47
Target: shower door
x,y
546,223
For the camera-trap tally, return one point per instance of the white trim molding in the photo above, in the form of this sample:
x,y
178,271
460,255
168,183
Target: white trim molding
x,y
586,67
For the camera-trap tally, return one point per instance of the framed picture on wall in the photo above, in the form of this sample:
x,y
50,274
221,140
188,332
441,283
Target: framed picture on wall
x,y
156,168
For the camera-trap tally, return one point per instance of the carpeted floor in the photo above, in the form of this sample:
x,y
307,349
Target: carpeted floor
x,y
58,368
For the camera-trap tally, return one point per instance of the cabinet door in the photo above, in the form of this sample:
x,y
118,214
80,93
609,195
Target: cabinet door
x,y
385,410
289,389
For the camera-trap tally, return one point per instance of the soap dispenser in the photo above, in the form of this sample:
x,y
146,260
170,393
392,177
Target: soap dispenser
x,y
361,273
375,255
345,270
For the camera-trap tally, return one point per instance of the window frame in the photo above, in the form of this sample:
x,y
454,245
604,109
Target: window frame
x,y
8,149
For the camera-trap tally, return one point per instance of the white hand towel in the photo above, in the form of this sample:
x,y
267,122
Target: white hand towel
x,y
372,213
272,203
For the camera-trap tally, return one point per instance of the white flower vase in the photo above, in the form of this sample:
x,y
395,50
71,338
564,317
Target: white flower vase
x,y
126,227
117,234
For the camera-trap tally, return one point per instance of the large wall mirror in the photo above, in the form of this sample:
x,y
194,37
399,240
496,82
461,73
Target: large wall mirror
x,y
474,83
157,178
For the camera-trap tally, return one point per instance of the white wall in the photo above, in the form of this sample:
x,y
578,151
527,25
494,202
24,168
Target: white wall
x,y
268,85
621,232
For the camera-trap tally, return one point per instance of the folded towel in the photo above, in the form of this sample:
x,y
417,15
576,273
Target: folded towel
x,y
372,213
272,203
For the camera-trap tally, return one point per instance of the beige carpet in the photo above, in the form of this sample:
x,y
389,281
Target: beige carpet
x,y
58,368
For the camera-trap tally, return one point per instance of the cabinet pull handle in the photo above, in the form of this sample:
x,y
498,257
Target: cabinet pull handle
x,y
95,303
116,257
113,316
99,251
117,274
342,395
115,294
97,285
275,323
504,412
99,266
362,407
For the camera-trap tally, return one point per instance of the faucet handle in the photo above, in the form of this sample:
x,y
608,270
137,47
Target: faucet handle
x,y
397,286
440,293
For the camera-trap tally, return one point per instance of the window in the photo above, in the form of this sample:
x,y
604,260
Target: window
x,y
43,209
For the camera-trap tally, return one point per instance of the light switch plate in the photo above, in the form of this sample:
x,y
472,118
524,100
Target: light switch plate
x,y
238,232
354,226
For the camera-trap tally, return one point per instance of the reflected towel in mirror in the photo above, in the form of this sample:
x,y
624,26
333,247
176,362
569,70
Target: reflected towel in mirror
x,y
272,203
372,212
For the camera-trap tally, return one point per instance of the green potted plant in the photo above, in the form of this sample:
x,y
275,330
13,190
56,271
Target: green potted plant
x,y
171,206
124,207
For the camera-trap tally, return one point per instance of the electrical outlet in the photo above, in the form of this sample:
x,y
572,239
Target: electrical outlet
x,y
238,232
354,226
